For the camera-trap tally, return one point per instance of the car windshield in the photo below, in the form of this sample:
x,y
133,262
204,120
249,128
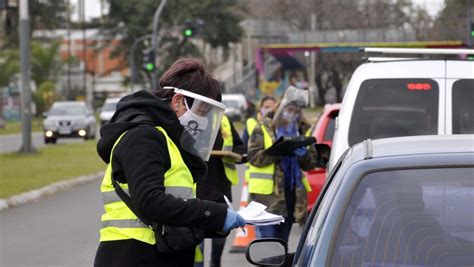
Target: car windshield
x,y
67,110
394,107
463,107
109,106
420,217
231,103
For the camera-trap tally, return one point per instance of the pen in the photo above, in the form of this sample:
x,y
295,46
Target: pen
x,y
230,206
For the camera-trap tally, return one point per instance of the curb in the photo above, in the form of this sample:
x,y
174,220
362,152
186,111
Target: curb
x,y
36,194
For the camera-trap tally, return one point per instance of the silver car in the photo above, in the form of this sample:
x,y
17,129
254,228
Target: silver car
x,y
69,119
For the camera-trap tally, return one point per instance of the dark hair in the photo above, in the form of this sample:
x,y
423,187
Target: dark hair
x,y
265,98
189,74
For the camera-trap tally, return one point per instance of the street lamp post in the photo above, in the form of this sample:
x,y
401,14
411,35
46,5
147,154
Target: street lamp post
x,y
133,69
154,42
24,32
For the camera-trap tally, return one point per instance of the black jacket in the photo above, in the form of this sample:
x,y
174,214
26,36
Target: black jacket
x,y
216,184
141,159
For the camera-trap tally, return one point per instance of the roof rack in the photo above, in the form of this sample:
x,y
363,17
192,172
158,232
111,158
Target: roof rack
x,y
419,51
381,54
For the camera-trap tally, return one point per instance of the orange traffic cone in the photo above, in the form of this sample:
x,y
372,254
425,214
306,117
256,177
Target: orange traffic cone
x,y
242,239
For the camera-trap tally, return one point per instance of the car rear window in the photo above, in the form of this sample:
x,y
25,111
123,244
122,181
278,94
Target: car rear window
x,y
463,107
409,218
394,107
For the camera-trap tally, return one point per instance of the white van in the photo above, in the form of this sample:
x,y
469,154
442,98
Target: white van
x,y
405,98
236,106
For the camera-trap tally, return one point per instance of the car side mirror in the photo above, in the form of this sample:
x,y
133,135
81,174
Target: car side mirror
x,y
324,152
267,252
44,114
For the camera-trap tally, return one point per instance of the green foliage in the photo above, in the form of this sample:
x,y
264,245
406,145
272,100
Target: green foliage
x,y
10,65
51,14
44,96
45,62
134,18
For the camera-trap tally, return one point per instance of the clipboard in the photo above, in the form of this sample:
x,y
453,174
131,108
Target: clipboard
x,y
285,146
226,154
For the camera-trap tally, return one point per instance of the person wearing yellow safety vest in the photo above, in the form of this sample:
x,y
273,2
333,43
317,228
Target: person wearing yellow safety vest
x,y
221,176
156,145
278,182
267,104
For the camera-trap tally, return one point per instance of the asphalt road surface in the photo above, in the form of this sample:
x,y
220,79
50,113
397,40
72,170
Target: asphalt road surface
x,y
62,230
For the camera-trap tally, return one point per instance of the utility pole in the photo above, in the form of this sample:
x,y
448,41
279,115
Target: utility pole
x,y
470,27
24,30
154,43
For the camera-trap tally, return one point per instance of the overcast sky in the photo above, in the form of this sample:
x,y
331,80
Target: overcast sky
x,y
93,7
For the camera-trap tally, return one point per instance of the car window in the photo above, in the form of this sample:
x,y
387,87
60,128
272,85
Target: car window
x,y
409,218
331,127
67,110
463,106
109,106
394,107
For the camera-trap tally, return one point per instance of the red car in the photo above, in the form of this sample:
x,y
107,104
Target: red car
x,y
324,132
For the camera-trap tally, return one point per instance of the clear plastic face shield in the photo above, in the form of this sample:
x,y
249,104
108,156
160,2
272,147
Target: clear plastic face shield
x,y
291,106
201,121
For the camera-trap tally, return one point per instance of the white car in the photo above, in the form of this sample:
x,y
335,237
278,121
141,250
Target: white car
x,y
236,106
406,98
108,109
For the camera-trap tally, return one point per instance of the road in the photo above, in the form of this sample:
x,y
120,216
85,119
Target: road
x,y
12,143
62,230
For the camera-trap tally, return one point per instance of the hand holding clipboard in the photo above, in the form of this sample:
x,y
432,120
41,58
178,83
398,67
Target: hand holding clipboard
x,y
285,146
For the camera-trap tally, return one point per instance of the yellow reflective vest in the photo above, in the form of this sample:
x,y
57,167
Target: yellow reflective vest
x,y
227,145
118,221
261,179
250,126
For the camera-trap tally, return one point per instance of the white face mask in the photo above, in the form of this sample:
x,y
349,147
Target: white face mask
x,y
289,116
193,123
264,111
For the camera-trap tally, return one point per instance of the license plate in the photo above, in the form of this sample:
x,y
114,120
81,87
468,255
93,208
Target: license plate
x,y
65,131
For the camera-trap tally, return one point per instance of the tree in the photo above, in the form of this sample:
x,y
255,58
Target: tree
x,y
450,24
45,67
132,19
44,14
10,65
45,62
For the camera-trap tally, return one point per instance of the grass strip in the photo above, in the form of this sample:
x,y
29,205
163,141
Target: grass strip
x,y
20,172
14,127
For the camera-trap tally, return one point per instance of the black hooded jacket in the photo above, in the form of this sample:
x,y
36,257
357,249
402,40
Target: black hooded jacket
x,y
141,159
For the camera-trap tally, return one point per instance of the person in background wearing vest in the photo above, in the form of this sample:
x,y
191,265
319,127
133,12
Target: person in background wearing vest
x,y
155,146
267,104
278,182
221,176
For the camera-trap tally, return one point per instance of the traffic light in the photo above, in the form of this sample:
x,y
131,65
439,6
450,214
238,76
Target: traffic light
x,y
189,29
149,60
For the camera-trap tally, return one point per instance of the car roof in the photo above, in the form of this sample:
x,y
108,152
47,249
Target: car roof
x,y
412,145
63,103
